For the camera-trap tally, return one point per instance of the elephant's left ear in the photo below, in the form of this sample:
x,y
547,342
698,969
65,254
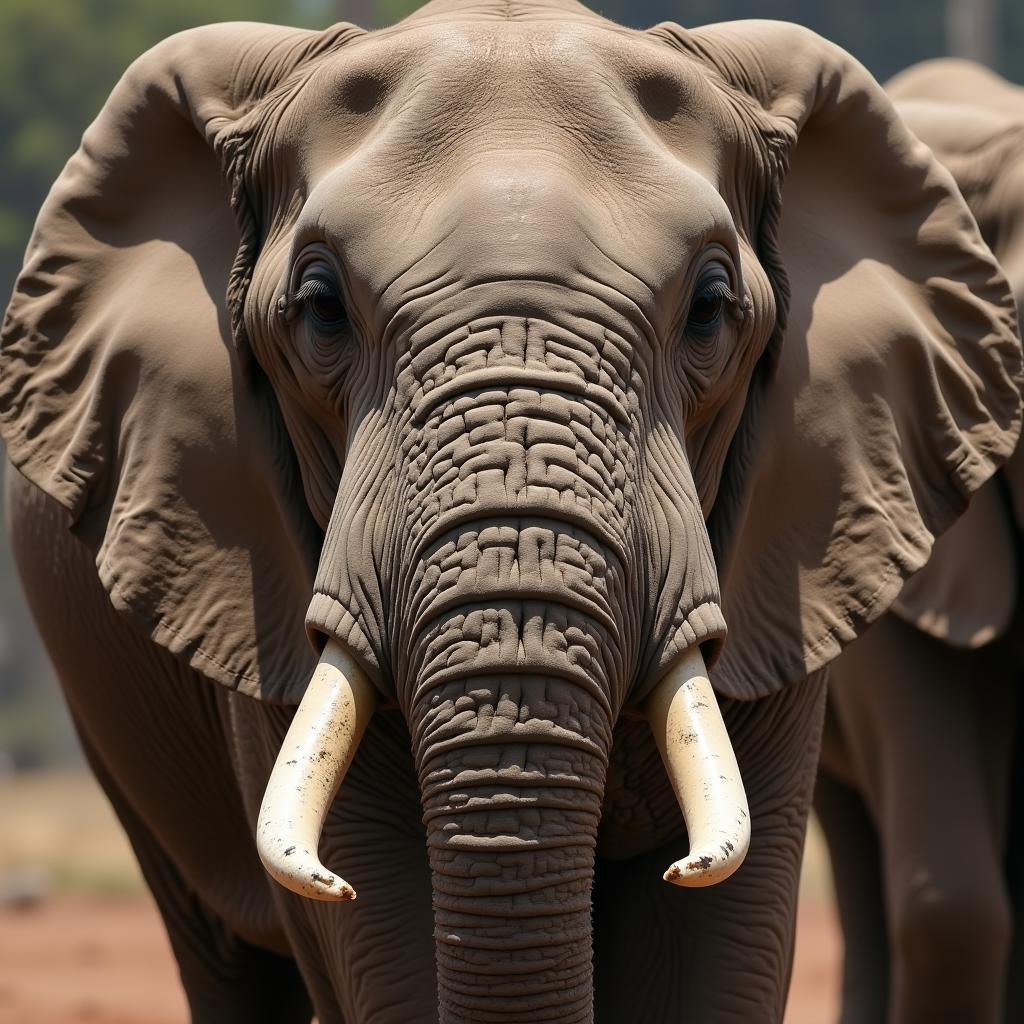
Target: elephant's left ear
x,y
122,393
892,388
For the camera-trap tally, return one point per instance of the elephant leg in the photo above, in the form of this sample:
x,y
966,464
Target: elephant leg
x,y
370,961
930,732
665,954
226,979
154,732
856,868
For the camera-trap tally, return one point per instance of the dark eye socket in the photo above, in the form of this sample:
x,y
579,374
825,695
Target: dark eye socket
x,y
319,295
710,299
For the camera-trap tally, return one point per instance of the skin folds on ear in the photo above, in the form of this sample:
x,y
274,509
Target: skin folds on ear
x,y
973,121
122,395
894,391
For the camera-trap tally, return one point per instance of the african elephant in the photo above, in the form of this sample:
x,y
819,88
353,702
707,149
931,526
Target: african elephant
x,y
916,787
502,356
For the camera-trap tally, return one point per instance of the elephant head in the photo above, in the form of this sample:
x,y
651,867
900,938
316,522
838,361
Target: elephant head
x,y
491,343
973,121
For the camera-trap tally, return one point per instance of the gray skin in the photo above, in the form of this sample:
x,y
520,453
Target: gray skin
x,y
535,350
920,788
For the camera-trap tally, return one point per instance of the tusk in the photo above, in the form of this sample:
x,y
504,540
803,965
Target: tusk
x,y
688,728
314,757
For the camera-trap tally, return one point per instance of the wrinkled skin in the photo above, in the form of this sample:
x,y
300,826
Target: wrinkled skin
x,y
916,790
519,353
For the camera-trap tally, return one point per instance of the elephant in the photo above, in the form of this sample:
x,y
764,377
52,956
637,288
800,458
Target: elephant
x,y
922,741
396,420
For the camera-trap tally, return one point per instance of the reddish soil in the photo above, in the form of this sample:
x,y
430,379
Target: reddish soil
x,y
83,959
72,960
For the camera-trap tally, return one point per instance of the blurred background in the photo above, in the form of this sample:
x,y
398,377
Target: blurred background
x,y
58,61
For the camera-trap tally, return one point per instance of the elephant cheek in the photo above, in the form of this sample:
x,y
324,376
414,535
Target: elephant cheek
x,y
686,611
350,601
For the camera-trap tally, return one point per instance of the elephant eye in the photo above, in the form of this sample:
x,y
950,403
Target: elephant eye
x,y
324,308
709,301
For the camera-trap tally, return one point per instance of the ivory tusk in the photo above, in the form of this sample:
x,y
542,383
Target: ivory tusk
x,y
316,753
688,728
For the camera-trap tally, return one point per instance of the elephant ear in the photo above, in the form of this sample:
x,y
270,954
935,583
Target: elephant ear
x,y
891,391
122,393
958,81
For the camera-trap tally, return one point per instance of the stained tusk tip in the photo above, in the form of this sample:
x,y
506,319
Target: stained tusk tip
x,y
343,893
699,870
334,888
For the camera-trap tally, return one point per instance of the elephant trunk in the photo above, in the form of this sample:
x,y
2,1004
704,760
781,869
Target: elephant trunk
x,y
512,770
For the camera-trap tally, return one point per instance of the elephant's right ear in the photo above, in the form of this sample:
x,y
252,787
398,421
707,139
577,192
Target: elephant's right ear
x,y
122,393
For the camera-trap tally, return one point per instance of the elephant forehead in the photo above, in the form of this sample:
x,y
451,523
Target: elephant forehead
x,y
612,105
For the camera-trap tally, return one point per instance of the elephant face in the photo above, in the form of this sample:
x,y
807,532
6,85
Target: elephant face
x,y
509,379
505,337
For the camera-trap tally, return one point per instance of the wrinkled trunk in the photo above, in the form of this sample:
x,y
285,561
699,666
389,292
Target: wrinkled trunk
x,y
512,801
518,646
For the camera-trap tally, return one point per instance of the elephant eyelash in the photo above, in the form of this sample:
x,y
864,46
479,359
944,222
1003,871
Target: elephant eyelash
x,y
719,289
313,288
309,290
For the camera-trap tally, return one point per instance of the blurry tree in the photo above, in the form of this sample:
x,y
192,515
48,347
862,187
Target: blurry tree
x,y
972,30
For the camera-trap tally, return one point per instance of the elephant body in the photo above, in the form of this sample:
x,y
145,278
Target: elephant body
x,y
413,412
237,936
920,787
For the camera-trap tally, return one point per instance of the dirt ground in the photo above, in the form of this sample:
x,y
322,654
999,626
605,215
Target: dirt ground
x,y
89,960
91,949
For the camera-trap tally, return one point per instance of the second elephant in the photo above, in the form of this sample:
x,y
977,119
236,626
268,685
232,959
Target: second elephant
x,y
916,791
